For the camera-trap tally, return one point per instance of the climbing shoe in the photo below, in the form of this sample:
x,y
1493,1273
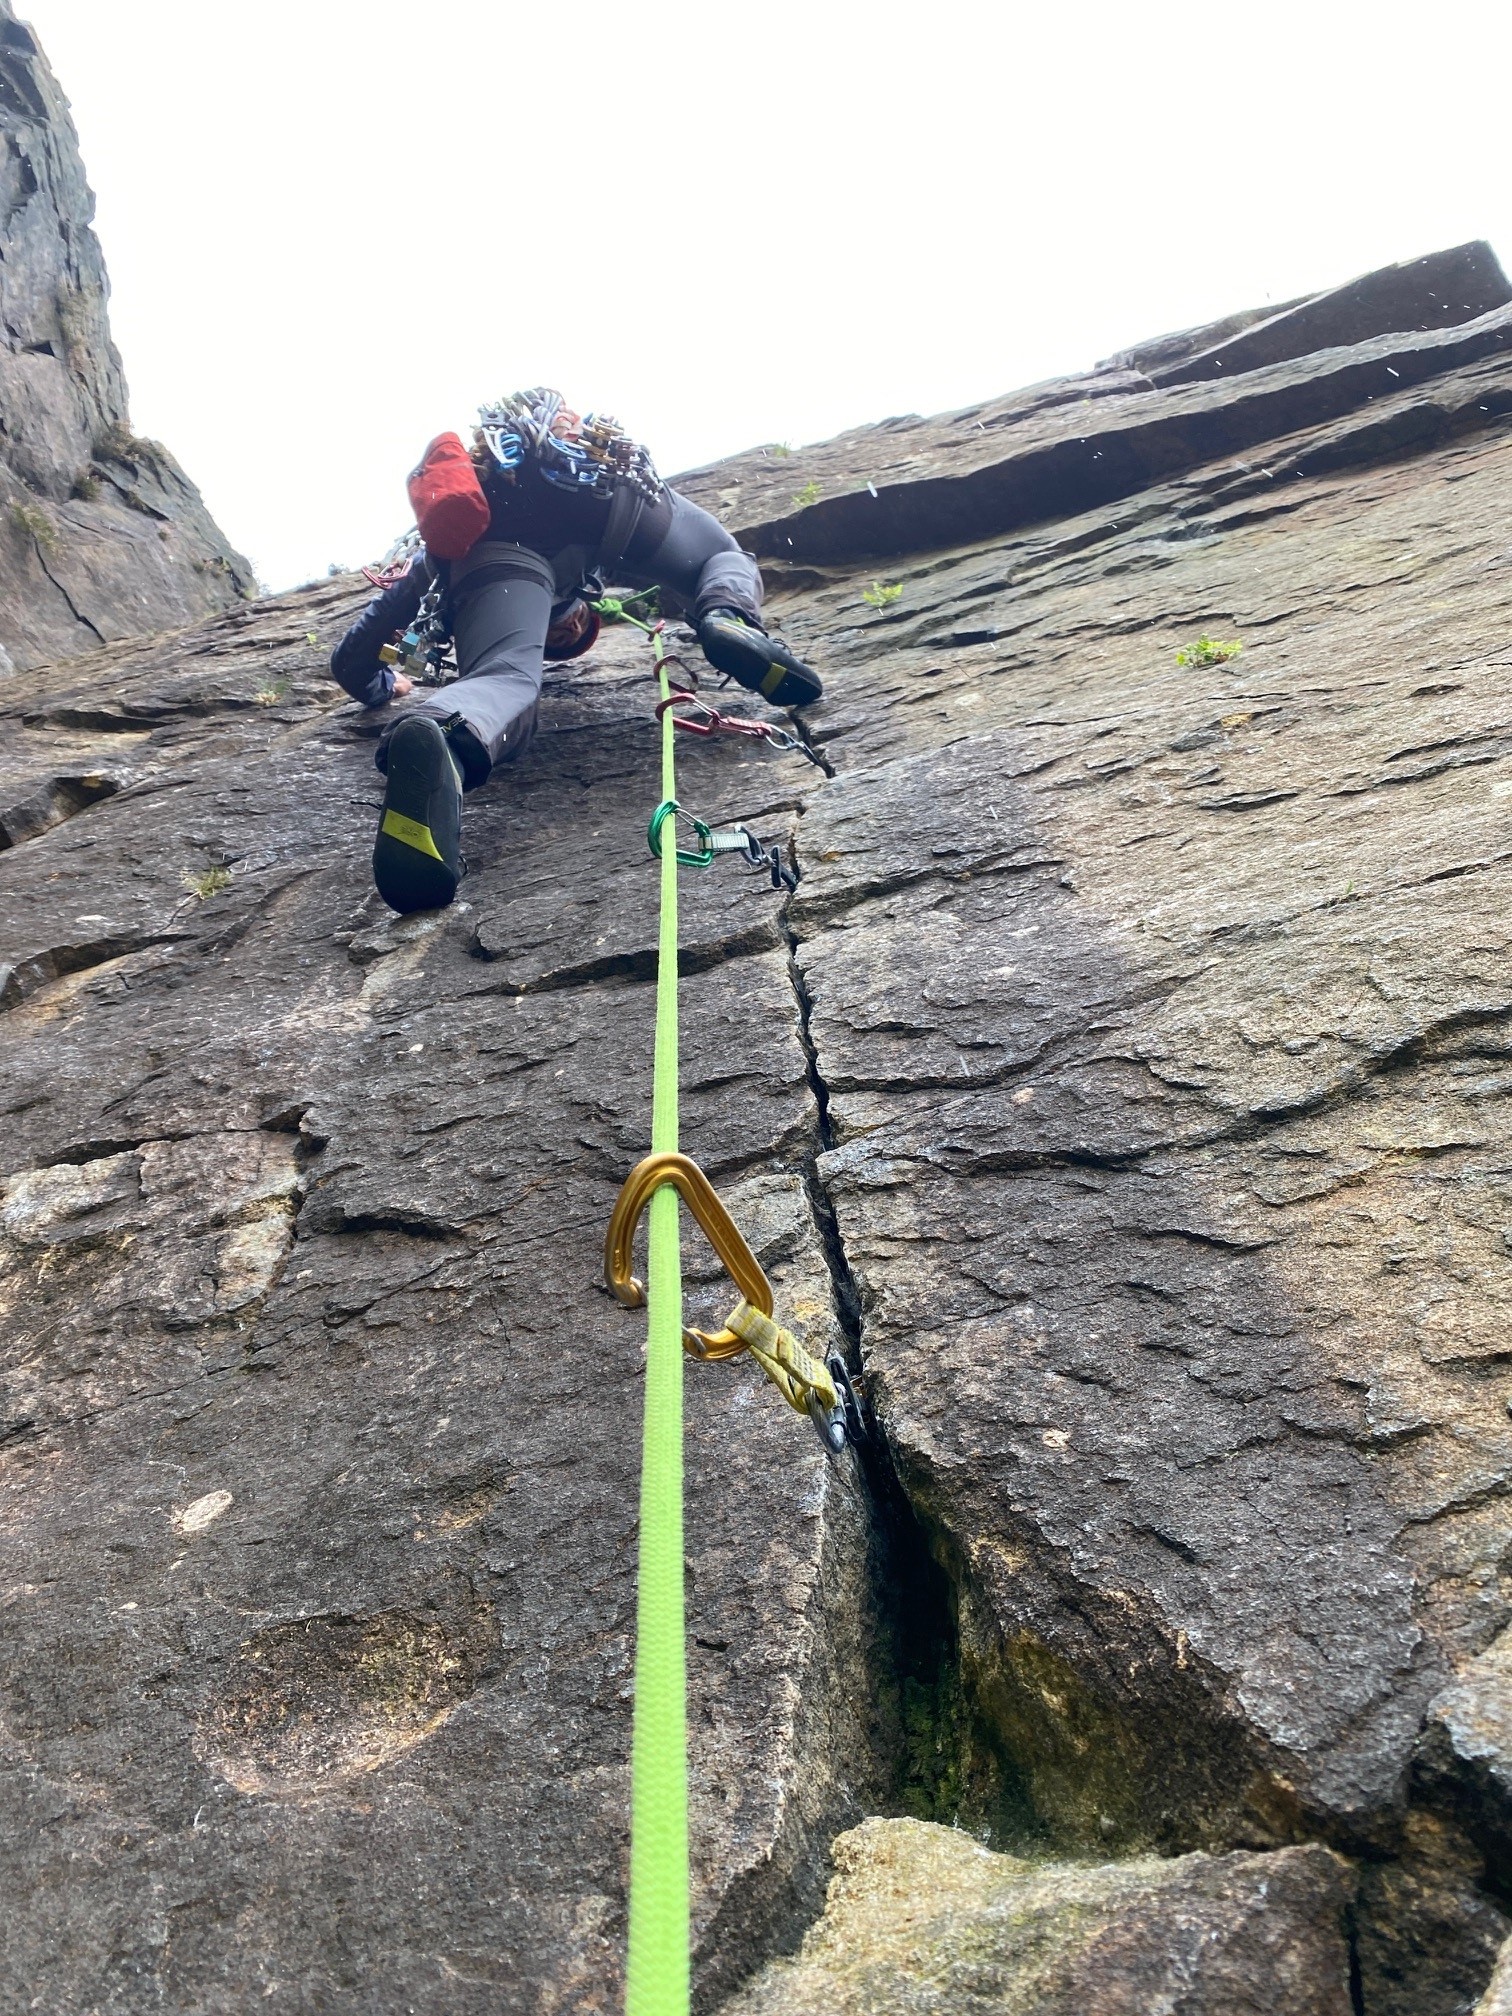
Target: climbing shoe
x,y
417,856
734,645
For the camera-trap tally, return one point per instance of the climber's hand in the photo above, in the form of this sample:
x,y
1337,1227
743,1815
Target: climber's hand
x,y
401,686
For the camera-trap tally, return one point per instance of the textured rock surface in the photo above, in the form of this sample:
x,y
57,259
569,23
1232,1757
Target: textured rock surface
x,y
1057,449
102,535
1128,1081
1432,293
922,1921
1497,2000
1217,1122
326,1596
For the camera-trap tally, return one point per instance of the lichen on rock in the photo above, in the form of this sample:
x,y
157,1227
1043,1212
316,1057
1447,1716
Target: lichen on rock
x,y
924,1921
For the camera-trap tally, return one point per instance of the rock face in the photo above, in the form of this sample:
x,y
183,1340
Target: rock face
x,y
102,536
1126,1086
1057,450
922,1921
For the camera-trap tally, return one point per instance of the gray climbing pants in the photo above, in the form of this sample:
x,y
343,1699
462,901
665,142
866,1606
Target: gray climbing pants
x,y
502,596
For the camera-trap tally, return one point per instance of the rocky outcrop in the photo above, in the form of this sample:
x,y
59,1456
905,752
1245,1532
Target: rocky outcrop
x,y
1437,292
923,1921
1125,1086
1060,449
102,536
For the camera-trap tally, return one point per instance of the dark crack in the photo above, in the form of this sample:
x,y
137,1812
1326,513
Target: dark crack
x,y
73,608
58,961
50,804
638,967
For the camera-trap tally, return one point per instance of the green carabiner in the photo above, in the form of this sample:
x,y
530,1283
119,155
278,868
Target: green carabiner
x,y
669,809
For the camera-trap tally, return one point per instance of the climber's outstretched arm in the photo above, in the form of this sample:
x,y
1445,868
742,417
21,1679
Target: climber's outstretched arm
x,y
355,664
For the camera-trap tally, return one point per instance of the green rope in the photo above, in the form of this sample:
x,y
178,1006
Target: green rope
x,y
657,1972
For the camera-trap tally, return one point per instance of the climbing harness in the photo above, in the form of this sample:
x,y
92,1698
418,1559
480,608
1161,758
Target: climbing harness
x,y
707,720
657,1970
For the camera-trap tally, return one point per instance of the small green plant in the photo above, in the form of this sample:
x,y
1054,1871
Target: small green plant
x,y
269,696
1208,651
210,883
119,444
781,449
809,494
35,523
881,594
311,638
86,486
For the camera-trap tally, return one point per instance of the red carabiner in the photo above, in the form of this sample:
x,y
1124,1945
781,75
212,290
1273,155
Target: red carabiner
x,y
711,722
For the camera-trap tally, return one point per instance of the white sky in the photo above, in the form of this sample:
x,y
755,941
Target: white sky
x,y
332,227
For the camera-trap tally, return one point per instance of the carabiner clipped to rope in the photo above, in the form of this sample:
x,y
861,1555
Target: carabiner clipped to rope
x,y
708,720
702,857
823,1391
716,840
718,1227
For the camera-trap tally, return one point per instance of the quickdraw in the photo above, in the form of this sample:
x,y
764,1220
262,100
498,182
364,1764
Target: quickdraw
x,y
822,1391
716,840
396,561
706,720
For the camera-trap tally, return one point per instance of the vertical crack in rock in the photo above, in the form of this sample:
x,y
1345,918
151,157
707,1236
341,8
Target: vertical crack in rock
x,y
966,1726
73,608
944,1760
1356,1978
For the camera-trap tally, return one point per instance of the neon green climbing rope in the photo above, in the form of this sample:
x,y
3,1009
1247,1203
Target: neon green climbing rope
x,y
657,1971
657,1974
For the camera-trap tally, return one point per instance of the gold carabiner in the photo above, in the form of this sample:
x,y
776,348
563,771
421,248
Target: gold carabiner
x,y
719,1228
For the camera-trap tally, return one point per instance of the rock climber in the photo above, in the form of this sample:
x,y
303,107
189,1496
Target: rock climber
x,y
516,532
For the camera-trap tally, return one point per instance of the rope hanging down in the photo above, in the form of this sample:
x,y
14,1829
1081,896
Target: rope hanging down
x,y
657,1969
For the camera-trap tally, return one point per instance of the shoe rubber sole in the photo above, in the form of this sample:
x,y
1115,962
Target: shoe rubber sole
x,y
417,855
759,663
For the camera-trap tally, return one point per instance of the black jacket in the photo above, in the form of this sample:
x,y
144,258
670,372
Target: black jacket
x,y
354,662
529,511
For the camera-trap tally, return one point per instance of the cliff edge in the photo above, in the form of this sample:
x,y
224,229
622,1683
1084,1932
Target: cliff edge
x,y
102,535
